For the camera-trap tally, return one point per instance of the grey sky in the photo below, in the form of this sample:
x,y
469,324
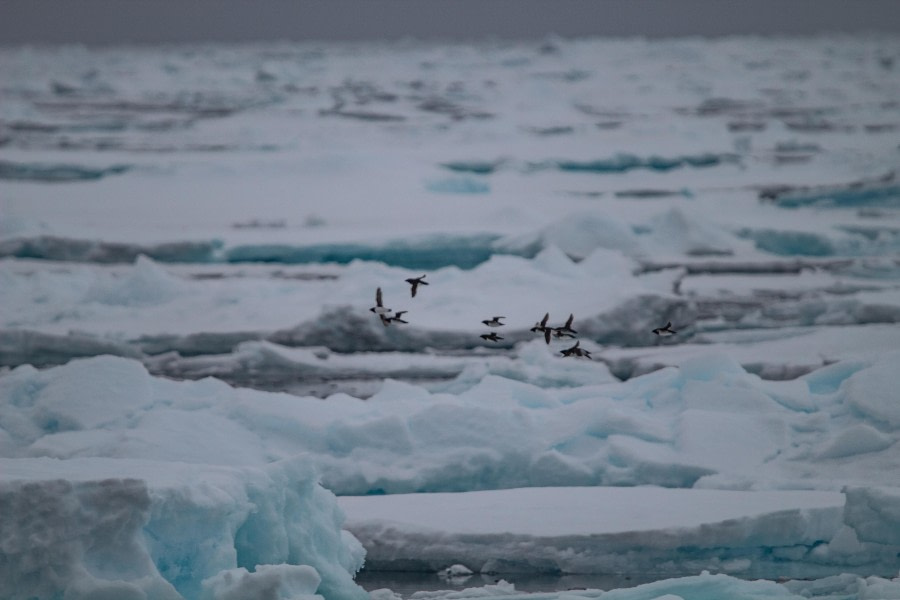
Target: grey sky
x,y
152,21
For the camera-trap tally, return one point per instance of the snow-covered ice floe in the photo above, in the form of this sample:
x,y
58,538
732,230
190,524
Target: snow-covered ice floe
x,y
124,481
636,531
707,423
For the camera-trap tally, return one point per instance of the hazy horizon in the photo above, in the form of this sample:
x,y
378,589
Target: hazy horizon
x,y
102,22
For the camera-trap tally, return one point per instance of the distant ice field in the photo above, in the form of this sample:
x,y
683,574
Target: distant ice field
x,y
748,182
191,240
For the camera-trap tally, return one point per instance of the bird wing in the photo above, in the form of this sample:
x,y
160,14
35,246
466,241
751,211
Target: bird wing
x,y
378,297
544,320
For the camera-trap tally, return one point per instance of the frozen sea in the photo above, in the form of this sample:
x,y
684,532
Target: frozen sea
x,y
196,401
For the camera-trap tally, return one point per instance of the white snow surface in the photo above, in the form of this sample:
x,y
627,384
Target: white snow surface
x,y
550,512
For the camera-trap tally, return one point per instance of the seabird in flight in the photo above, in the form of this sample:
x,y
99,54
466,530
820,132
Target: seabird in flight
x,y
379,308
415,282
665,331
398,317
542,326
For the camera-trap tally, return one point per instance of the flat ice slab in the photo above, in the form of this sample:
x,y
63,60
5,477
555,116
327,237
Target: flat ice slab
x,y
593,529
553,511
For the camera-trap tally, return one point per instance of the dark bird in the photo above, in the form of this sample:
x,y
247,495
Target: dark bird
x,y
379,308
495,322
570,351
542,327
397,318
415,282
665,331
576,350
567,328
491,336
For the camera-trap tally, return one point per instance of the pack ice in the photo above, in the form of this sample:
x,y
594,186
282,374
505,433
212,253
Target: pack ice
x,y
197,404
127,484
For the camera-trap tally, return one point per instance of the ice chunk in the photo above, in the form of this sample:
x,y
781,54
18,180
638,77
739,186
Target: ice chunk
x,y
75,398
578,235
874,392
857,439
829,378
83,538
675,232
125,528
845,585
146,284
455,574
874,512
269,582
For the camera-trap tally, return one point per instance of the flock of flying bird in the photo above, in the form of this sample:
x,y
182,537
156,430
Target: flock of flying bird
x,y
389,316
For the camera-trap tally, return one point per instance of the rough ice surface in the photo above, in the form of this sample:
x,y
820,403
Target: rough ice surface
x,y
135,528
191,238
708,424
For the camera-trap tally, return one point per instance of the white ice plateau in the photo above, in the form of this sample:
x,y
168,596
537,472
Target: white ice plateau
x,y
197,404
